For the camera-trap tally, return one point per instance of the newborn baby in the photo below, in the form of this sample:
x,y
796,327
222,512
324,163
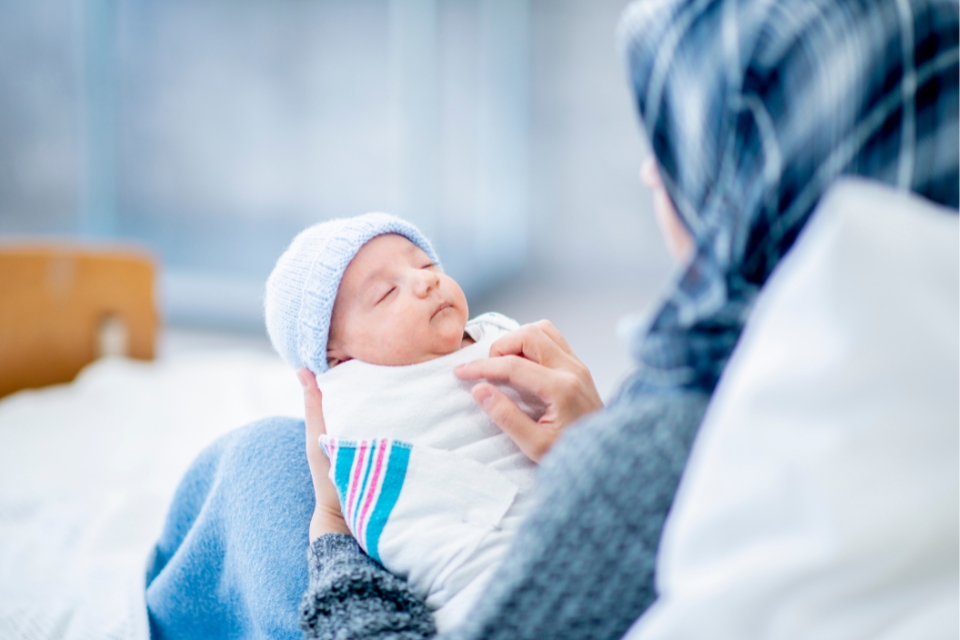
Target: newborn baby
x,y
428,484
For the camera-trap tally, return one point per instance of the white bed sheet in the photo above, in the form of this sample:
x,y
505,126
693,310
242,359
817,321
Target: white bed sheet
x,y
88,469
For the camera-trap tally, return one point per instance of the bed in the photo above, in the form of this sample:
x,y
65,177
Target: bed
x,y
93,443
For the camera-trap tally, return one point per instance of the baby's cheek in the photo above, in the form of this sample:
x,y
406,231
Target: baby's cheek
x,y
416,342
453,335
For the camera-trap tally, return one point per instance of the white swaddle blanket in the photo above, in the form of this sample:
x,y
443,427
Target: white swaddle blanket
x,y
428,484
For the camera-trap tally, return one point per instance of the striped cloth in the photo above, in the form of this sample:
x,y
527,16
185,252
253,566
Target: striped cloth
x,y
369,475
753,108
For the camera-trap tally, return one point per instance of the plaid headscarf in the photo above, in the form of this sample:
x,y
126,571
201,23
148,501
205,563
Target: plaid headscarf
x,y
753,108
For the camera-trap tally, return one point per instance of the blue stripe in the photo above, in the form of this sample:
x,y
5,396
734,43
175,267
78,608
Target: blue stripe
x,y
392,483
345,456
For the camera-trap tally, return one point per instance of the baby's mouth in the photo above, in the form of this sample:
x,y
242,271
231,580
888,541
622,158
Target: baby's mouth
x,y
443,306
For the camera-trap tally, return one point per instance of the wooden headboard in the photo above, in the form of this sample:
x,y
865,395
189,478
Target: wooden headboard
x,y
64,306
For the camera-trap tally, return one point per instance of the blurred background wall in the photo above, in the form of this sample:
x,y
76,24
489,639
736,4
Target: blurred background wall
x,y
211,132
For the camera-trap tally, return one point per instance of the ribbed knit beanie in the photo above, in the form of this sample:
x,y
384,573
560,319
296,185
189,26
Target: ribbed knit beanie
x,y
303,286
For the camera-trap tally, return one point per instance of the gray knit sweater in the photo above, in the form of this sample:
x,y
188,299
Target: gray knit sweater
x,y
582,565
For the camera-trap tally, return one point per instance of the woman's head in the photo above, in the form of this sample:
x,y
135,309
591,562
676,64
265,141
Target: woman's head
x,y
752,111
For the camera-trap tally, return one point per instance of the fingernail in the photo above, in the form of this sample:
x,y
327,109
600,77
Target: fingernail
x,y
300,376
484,396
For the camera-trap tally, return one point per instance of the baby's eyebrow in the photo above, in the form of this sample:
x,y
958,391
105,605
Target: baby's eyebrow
x,y
371,278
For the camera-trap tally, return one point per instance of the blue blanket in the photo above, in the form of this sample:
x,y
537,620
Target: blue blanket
x,y
231,559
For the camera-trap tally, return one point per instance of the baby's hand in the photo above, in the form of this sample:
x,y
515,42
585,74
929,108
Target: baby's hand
x,y
327,517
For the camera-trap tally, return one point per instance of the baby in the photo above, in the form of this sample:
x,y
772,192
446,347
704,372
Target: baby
x,y
428,484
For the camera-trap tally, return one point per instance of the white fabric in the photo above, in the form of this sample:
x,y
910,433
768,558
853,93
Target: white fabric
x,y
821,497
467,485
87,471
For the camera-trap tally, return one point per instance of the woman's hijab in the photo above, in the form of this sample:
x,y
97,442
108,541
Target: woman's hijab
x,y
753,108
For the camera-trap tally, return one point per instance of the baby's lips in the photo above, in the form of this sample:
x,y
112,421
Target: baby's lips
x,y
444,305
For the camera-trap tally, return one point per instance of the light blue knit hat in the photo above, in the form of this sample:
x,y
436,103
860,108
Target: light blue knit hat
x,y
303,286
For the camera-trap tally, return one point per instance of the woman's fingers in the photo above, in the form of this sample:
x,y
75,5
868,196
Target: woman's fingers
x,y
313,416
312,403
535,358
540,342
327,517
533,439
518,371
551,331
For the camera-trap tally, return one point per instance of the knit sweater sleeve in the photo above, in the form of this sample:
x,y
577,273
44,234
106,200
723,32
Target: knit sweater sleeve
x,y
350,595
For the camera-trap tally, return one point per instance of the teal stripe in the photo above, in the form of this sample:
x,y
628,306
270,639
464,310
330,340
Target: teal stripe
x,y
392,483
345,456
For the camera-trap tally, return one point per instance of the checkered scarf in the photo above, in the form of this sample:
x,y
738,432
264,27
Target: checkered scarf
x,y
753,108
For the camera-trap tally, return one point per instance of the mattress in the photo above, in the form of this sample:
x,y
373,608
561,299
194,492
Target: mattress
x,y
88,469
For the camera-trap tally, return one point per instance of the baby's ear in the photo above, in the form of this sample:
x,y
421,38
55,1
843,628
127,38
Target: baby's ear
x,y
332,358
335,353
332,362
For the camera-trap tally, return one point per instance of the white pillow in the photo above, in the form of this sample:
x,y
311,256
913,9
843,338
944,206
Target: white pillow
x,y
821,496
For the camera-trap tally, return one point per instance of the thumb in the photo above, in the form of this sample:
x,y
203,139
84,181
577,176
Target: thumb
x,y
526,434
312,402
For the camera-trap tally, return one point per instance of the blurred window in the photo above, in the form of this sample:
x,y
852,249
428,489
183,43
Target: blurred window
x,y
213,131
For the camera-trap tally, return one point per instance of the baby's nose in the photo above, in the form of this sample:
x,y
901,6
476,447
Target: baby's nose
x,y
425,281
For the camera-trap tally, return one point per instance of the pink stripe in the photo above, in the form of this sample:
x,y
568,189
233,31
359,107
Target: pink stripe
x,y
358,463
330,448
362,525
332,457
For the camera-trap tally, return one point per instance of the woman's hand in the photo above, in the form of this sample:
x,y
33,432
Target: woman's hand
x,y
327,517
535,358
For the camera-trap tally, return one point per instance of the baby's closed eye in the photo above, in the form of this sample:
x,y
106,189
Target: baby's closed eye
x,y
385,294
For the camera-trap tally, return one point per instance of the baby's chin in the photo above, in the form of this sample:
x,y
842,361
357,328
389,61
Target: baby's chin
x,y
446,346
436,350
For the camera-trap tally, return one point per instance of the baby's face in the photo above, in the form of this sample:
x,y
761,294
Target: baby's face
x,y
395,307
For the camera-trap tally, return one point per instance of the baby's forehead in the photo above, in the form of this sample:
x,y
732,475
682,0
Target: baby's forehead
x,y
376,257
